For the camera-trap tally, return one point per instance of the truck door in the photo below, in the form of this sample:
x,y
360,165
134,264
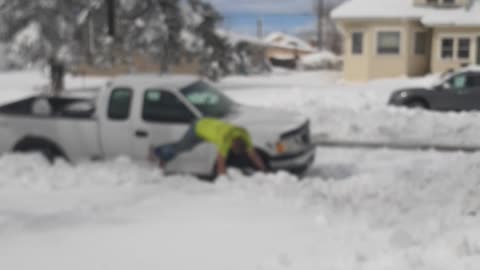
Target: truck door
x,y
164,118
115,127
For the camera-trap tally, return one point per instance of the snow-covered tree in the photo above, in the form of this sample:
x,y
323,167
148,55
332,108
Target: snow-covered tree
x,y
216,54
67,31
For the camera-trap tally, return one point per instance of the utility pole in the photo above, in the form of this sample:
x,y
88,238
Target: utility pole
x,y
260,28
321,15
111,18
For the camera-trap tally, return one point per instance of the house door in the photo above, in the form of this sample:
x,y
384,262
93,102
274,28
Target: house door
x,y
478,50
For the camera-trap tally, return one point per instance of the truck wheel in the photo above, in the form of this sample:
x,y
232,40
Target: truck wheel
x,y
48,150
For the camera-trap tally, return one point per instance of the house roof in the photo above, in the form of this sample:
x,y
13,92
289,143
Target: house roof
x,y
283,40
405,9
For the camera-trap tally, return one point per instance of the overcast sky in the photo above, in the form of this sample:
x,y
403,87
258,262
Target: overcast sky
x,y
277,15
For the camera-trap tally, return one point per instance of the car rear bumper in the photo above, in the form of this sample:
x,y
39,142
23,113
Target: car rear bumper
x,y
292,162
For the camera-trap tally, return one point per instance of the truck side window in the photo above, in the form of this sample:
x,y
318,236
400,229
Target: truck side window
x,y
162,106
120,102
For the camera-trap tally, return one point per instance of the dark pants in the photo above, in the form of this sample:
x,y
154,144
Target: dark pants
x,y
168,152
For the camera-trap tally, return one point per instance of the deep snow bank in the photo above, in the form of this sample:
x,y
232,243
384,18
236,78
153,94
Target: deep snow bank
x,y
356,210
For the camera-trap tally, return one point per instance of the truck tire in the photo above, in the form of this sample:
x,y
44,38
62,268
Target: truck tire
x,y
47,149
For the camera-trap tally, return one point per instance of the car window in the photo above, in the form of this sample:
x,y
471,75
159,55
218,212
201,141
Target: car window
x,y
119,104
461,82
163,106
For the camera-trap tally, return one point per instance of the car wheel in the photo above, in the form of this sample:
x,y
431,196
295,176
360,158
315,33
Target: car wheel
x,y
417,104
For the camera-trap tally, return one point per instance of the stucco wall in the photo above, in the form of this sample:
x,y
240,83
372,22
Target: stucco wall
x,y
418,64
440,65
356,66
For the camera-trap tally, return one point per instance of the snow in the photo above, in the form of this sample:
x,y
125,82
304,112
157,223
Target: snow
x,y
287,41
356,209
457,17
320,60
356,112
398,9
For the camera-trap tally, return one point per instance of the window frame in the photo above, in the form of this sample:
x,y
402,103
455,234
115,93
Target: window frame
x,y
378,38
459,48
360,46
129,111
452,56
180,99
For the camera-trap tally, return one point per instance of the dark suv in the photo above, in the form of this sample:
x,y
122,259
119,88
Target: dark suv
x,y
458,91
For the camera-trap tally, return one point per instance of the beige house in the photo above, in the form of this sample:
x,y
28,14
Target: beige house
x,y
386,38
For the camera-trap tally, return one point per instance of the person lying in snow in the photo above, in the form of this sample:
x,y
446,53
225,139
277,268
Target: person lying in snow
x,y
226,137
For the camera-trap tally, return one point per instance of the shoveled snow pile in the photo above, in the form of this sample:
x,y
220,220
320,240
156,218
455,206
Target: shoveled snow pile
x,y
320,60
356,112
356,210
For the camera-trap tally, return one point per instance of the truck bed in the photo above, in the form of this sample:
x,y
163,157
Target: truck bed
x,y
59,107
69,122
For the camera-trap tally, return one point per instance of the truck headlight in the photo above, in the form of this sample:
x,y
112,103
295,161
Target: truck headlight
x,y
281,148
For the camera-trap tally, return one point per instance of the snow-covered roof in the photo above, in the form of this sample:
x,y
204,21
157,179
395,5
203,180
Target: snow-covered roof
x,y
170,82
405,9
286,41
456,17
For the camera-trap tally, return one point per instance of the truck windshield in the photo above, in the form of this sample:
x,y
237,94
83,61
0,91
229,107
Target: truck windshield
x,y
208,100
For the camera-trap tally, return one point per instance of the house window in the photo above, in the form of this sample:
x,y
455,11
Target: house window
x,y
449,2
388,43
357,43
463,48
447,48
420,43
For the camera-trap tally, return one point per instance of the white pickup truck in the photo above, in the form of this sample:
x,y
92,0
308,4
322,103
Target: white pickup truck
x,y
131,113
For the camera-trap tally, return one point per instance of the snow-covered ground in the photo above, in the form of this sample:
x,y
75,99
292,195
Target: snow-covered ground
x,y
356,112
356,209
